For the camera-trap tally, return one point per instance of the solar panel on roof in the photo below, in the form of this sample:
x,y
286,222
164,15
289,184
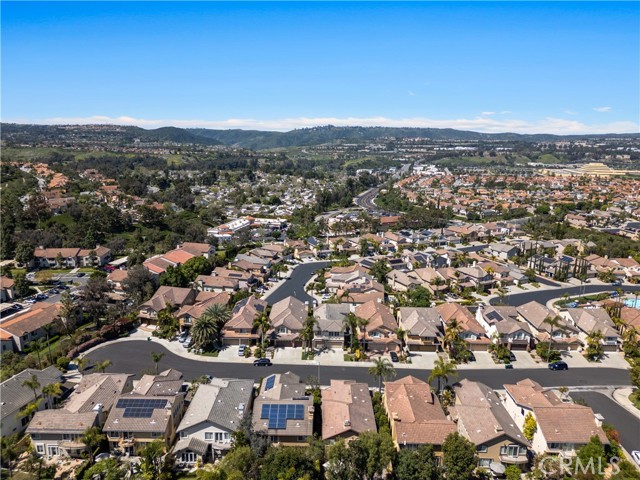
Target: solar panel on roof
x,y
265,411
271,380
278,414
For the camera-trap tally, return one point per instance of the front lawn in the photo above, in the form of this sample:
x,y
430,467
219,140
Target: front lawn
x,y
635,399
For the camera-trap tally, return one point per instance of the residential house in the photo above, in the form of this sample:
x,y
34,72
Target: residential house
x,y
70,257
259,267
481,417
378,334
7,293
59,432
589,320
214,414
242,329
415,414
116,278
287,317
166,297
150,412
562,428
188,314
283,411
475,277
563,336
431,279
503,251
401,281
347,410
15,397
18,332
503,323
423,328
470,329
330,329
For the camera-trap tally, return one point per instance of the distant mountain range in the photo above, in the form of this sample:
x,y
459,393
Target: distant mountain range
x,y
255,139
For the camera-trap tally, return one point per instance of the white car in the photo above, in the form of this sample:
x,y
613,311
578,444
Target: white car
x,y
636,456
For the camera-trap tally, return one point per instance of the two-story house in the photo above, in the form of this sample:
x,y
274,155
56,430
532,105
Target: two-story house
x,y
562,428
242,329
347,410
288,317
379,332
330,328
166,297
589,320
481,417
546,325
18,332
215,412
283,411
423,328
59,432
471,331
502,323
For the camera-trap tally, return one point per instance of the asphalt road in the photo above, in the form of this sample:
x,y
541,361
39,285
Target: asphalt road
x,y
294,285
134,357
543,296
628,425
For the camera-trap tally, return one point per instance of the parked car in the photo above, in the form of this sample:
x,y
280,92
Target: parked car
x,y
81,274
636,456
394,356
262,362
512,357
560,365
508,366
41,296
241,350
187,342
616,283
183,337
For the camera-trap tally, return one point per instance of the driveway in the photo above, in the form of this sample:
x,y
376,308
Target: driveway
x,y
423,359
483,360
524,360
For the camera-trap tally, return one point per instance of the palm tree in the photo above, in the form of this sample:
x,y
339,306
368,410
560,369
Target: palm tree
x,y
28,411
308,331
81,362
50,391
156,357
594,345
401,333
48,330
36,346
219,315
553,322
102,366
34,384
263,323
442,370
352,322
381,370
92,439
452,337
203,331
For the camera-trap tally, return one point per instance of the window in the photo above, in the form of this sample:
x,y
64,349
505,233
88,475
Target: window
x,y
208,435
553,446
482,448
155,434
35,436
375,334
183,434
284,330
512,450
39,448
66,436
335,334
485,462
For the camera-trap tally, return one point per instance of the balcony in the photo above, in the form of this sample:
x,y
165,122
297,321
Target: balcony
x,y
514,460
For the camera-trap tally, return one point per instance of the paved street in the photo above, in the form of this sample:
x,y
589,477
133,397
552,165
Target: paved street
x,y
135,356
294,285
543,296
627,424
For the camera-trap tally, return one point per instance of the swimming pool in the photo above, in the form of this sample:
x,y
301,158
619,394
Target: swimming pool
x,y
632,302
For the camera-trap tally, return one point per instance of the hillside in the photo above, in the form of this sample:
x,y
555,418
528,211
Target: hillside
x,y
254,139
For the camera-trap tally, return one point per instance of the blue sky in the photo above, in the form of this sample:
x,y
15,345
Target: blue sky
x,y
526,67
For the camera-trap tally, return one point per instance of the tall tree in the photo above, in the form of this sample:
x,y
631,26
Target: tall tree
x,y
460,459
93,438
50,392
68,313
48,329
595,350
219,315
381,370
442,370
417,464
33,384
102,366
155,358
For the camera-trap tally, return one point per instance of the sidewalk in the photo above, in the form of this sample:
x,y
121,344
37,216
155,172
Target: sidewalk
x,y
621,396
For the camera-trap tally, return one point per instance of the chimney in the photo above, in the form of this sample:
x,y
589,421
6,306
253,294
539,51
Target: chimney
x,y
98,408
395,416
347,423
599,419
310,410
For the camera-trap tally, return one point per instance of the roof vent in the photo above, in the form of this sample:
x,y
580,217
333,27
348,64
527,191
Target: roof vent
x,y
395,416
347,423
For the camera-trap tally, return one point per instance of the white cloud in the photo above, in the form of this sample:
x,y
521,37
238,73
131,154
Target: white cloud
x,y
486,114
560,126
602,109
570,112
411,93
